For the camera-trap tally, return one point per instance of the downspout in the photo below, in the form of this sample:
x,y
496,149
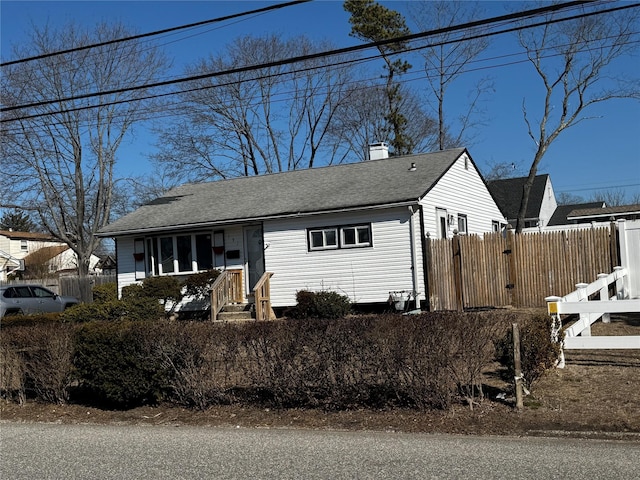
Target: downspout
x,y
414,257
425,256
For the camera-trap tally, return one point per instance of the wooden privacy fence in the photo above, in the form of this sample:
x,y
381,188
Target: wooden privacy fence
x,y
499,270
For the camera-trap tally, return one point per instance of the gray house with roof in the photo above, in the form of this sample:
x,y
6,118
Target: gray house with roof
x,y
358,229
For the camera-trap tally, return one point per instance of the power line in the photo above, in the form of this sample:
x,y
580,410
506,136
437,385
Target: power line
x,y
157,32
272,75
301,58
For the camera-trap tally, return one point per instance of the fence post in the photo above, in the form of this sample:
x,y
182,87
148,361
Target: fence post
x,y
583,297
457,271
511,267
517,366
613,245
604,295
620,287
428,267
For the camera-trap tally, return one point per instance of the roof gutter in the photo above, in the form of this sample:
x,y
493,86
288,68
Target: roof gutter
x,y
237,221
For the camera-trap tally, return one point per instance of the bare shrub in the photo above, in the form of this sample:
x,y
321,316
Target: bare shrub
x,y
201,360
12,371
41,354
470,341
538,351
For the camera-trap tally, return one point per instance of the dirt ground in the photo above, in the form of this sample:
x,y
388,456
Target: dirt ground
x,y
597,395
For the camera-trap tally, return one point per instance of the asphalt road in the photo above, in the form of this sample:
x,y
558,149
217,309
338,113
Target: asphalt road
x,y
46,451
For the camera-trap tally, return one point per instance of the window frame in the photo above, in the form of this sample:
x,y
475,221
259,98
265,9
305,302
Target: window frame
x,y
341,242
179,259
465,219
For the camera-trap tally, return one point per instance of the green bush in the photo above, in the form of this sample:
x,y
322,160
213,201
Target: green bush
x,y
199,285
117,364
107,292
163,288
327,305
538,352
100,311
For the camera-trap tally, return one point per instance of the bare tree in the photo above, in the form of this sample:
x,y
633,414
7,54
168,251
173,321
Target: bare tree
x,y
59,158
571,59
446,61
361,120
263,121
565,198
612,197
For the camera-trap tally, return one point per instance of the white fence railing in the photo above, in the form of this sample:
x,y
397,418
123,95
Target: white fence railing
x,y
583,302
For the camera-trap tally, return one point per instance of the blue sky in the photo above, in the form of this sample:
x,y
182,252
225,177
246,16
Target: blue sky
x,y
598,154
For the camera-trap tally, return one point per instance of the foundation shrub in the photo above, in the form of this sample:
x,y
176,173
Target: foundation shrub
x,y
324,304
538,353
199,285
107,292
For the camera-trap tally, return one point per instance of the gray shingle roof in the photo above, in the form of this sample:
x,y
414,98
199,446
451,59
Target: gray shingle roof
x,y
561,212
332,188
601,212
508,194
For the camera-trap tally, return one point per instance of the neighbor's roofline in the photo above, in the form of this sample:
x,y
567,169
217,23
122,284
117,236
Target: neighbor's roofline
x,y
254,219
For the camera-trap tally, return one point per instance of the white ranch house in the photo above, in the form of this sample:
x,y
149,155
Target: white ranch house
x,y
358,229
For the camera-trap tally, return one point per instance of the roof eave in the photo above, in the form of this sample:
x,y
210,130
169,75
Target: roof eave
x,y
235,221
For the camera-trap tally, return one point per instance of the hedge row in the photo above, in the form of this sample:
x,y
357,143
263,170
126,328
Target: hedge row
x,y
423,361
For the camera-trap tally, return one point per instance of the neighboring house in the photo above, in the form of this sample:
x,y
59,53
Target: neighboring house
x,y
15,246
561,215
542,200
585,214
358,229
56,261
107,265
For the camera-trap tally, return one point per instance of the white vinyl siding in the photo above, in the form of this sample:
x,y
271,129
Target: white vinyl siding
x,y
125,248
461,190
365,275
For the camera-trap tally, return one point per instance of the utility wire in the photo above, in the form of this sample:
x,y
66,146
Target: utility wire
x,y
157,32
155,96
301,58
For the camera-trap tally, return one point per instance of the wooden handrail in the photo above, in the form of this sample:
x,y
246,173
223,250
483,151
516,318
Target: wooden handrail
x,y
262,295
227,288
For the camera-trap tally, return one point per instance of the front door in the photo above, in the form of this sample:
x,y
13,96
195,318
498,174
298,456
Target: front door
x,y
255,255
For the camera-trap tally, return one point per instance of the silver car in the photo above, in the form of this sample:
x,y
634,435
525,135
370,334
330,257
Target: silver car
x,y
26,299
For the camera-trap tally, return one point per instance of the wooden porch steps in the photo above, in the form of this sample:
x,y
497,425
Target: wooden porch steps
x,y
237,312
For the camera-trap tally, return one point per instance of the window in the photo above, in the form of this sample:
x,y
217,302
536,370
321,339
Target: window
x,y
462,223
349,236
356,236
495,226
24,245
179,253
323,239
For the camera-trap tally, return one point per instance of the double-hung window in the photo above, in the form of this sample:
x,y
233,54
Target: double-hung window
x,y
332,238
